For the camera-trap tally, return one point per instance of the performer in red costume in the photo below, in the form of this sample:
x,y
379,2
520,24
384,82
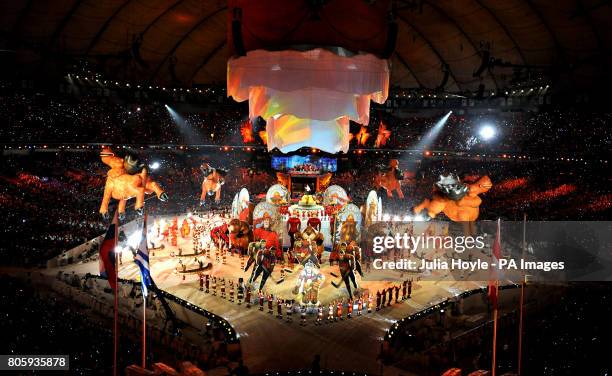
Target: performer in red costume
x,y
293,225
315,223
220,233
265,233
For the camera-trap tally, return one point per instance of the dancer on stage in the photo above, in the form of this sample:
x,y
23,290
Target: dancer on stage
x,y
346,264
265,260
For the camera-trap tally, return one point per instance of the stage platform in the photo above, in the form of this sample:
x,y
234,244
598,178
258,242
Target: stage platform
x,y
294,344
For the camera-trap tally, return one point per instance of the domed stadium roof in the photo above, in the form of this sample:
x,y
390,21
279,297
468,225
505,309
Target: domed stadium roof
x,y
440,44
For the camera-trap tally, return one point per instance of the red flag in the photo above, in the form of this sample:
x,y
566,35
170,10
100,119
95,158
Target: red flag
x,y
496,251
107,253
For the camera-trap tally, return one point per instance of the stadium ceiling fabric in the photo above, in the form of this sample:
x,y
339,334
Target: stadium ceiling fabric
x,y
185,41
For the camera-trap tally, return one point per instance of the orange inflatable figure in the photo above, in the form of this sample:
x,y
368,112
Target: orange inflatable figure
x,y
460,202
240,235
212,183
127,178
390,179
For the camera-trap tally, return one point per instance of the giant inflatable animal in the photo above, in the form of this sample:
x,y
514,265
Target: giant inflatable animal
x,y
214,179
240,235
127,178
390,179
459,202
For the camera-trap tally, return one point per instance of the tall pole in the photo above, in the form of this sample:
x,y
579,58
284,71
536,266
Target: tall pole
x,y
524,234
520,334
520,338
144,332
116,316
494,358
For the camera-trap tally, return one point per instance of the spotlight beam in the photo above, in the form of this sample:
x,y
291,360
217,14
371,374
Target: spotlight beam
x,y
184,128
433,133
428,139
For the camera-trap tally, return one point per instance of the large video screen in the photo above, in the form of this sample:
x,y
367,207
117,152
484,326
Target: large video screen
x,y
304,164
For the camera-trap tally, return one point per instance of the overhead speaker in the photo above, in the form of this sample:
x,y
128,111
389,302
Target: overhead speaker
x,y
237,32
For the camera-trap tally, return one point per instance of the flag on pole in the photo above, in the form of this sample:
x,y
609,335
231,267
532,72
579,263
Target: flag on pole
x,y
142,259
107,253
496,253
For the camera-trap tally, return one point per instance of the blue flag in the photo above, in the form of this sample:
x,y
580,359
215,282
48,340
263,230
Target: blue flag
x,y
142,260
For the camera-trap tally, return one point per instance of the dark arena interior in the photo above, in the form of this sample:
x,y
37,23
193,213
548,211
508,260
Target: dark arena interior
x,y
334,187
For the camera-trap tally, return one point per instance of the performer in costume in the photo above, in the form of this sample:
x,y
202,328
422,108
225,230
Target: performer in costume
x,y
253,250
315,239
353,249
346,264
264,265
315,223
185,229
294,225
220,233
266,233
348,231
310,280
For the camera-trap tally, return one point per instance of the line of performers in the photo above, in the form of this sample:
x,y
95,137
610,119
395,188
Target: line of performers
x,y
334,309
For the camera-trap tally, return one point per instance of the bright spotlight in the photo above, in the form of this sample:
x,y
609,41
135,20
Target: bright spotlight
x,y
487,132
154,166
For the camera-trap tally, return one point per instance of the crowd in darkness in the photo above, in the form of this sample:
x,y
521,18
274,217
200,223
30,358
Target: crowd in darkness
x,y
43,118
46,118
563,322
71,316
34,324
555,131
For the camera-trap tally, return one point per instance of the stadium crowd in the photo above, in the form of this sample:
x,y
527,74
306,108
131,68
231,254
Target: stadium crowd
x,y
33,117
